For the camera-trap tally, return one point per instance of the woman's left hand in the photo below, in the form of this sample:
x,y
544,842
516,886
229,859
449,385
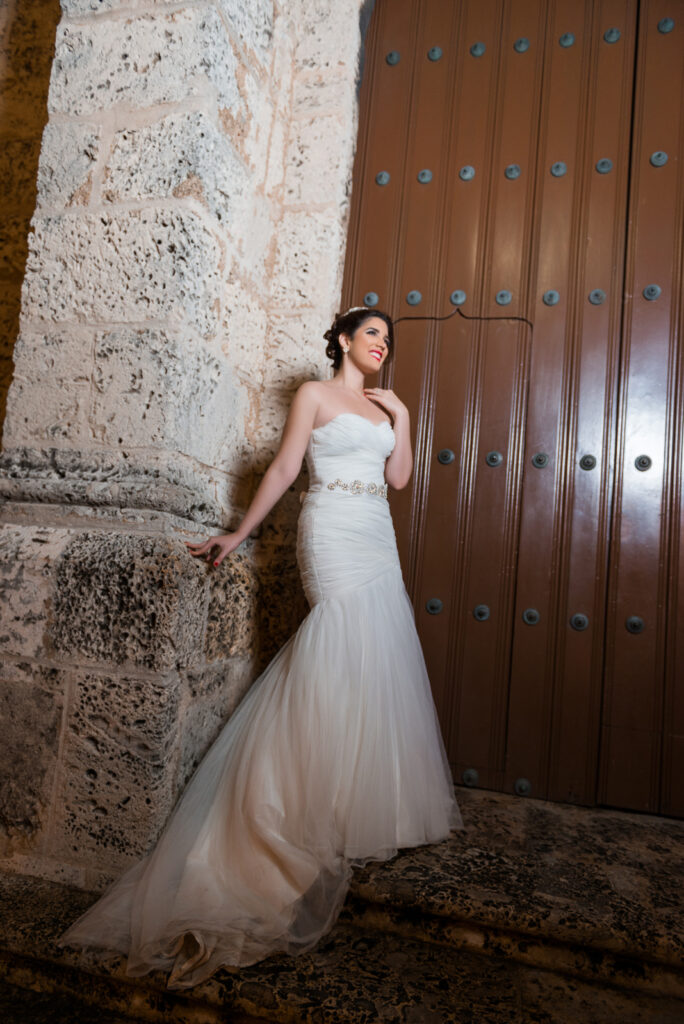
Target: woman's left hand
x,y
387,399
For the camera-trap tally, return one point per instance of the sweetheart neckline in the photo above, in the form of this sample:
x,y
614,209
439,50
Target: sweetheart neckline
x,y
359,416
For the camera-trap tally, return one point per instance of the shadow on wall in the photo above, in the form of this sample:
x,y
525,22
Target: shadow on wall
x,y
27,49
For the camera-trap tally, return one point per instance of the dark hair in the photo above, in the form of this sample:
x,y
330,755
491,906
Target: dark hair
x,y
347,323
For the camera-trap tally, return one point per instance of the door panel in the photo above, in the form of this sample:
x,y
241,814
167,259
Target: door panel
x,y
555,709
648,501
577,249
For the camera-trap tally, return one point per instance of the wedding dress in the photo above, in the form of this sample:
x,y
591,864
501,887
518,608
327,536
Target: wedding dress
x,y
333,758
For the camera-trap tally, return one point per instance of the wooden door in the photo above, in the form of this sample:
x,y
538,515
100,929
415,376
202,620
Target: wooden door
x,y
517,168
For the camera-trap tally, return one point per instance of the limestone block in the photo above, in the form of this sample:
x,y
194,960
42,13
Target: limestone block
x,y
243,330
319,161
142,60
181,155
134,265
27,555
51,414
231,616
213,694
50,393
314,93
274,405
129,599
328,35
156,388
308,258
296,349
31,707
253,255
67,157
251,24
120,766
60,356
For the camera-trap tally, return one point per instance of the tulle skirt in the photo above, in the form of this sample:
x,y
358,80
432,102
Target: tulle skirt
x,y
333,758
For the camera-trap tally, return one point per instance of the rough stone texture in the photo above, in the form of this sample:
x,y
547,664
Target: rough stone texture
x,y
108,267
31,705
233,597
210,697
327,38
142,60
119,769
152,389
180,155
304,182
298,277
26,591
184,259
65,171
178,640
129,600
251,25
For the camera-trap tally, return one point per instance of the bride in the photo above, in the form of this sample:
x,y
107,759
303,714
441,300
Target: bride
x,y
334,757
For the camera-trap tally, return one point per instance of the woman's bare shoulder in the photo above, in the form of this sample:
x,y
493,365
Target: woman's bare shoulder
x,y
314,387
312,392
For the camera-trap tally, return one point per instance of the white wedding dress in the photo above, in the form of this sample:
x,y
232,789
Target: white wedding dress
x,y
333,758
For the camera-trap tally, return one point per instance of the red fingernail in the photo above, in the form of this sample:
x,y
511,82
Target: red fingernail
x,y
215,563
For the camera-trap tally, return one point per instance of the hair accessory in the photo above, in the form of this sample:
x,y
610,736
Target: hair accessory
x,y
352,309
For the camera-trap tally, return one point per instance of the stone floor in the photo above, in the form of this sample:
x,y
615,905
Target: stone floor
x,y
536,912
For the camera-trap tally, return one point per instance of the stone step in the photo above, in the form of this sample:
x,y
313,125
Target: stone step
x,y
592,892
535,912
352,978
24,1006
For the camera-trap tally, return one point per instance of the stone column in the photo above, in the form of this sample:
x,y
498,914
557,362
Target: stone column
x,y
185,256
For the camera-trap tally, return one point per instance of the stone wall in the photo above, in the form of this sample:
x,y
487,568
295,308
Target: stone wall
x,y
185,256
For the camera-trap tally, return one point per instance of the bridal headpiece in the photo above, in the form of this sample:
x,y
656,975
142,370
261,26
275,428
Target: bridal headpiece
x,y
352,309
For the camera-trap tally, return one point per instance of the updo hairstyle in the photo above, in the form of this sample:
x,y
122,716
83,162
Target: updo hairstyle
x,y
347,323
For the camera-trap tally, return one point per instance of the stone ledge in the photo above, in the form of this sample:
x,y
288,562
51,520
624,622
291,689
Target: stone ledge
x,y
154,480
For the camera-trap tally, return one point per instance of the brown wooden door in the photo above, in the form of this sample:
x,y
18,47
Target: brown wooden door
x,y
532,537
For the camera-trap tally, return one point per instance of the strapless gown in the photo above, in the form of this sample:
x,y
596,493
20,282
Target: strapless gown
x,y
333,758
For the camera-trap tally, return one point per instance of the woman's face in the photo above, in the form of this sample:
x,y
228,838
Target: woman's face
x,y
369,345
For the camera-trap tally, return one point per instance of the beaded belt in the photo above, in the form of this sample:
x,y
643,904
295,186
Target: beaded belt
x,y
355,487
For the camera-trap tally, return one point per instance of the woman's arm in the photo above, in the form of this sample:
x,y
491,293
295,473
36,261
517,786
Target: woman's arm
x,y
280,475
399,465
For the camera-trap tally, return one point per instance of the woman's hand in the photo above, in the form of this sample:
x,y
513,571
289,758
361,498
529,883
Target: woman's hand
x,y
399,464
386,398
225,543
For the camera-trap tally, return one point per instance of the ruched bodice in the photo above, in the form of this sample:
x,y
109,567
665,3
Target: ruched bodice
x,y
346,538
350,447
334,756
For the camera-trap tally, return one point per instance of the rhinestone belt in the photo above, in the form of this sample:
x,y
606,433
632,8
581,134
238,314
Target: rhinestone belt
x,y
355,487
358,487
